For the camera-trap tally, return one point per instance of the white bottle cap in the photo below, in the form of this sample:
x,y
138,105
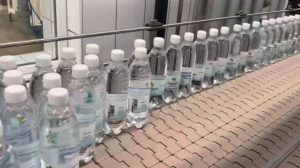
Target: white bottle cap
x,y
43,60
92,49
188,36
139,43
265,22
91,61
13,77
292,18
117,55
286,19
213,32
256,24
159,42
279,20
175,39
8,62
68,53
237,28
246,26
201,34
58,97
51,80
80,71
225,30
140,53
297,17
15,94
272,21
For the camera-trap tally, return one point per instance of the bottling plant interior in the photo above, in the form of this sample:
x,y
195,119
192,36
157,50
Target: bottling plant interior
x,y
149,83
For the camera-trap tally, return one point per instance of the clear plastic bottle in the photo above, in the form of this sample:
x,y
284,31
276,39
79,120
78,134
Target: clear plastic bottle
x,y
20,126
137,43
59,132
8,156
294,34
117,92
93,49
223,56
235,51
254,58
6,63
82,101
245,49
188,61
201,52
158,65
50,80
264,34
98,82
297,33
271,39
174,59
288,35
68,59
139,88
212,59
280,28
43,66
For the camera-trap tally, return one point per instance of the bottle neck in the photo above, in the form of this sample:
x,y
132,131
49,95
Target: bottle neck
x,y
175,45
93,69
68,63
43,69
224,35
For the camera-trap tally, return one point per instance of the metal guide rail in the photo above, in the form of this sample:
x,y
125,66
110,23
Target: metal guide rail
x,y
240,15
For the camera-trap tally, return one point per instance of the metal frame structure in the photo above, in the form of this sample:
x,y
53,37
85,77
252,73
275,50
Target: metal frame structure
x,y
146,28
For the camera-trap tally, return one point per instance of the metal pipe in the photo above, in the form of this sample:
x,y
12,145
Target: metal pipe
x,y
54,39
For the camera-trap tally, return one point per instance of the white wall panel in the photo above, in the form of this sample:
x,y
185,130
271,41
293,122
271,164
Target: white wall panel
x,y
130,14
74,16
61,10
77,45
48,30
185,16
100,15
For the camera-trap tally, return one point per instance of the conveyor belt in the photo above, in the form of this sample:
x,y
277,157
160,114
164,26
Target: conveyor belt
x,y
251,121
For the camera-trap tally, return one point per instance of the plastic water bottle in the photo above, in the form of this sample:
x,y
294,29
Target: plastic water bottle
x,y
235,51
201,52
158,65
264,36
187,65
59,132
139,88
82,101
43,66
271,39
98,81
65,67
288,34
8,156
50,80
254,58
212,59
20,126
117,92
279,38
245,49
223,55
6,63
137,43
174,57
294,34
93,49
297,33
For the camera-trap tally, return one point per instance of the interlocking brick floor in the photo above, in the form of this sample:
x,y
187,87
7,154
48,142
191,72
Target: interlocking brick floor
x,y
246,122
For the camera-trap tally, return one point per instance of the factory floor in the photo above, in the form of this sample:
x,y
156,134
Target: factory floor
x,y
17,30
252,121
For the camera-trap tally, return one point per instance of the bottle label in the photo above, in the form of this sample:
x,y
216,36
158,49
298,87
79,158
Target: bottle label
x,y
221,65
186,76
70,157
100,112
209,69
23,137
198,72
117,106
242,58
87,135
172,82
138,99
158,85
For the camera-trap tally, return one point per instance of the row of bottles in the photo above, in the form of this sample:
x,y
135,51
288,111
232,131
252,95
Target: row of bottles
x,y
63,114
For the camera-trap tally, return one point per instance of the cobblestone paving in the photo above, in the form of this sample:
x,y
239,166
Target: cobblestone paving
x,y
246,122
